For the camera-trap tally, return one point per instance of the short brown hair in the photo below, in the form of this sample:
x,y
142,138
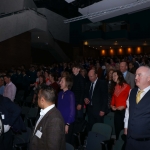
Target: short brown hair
x,y
69,81
76,66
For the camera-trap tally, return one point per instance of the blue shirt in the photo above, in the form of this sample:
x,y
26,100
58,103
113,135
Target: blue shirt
x,y
124,74
66,106
2,90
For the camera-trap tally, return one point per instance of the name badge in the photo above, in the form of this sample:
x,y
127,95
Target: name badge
x,y
3,116
38,134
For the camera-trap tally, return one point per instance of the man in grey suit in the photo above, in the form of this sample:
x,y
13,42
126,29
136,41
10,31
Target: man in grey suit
x,y
129,77
49,132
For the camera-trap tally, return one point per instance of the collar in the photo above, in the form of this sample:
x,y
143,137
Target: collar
x,y
44,111
9,83
125,73
95,81
146,89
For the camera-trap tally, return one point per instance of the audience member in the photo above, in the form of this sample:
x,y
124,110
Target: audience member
x,y
66,106
96,98
49,133
129,77
109,83
12,121
46,74
10,88
99,70
83,72
132,69
19,80
38,87
137,116
120,91
54,84
25,82
32,75
78,90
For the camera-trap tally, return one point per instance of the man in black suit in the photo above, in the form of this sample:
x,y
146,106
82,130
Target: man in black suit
x,y
11,119
96,98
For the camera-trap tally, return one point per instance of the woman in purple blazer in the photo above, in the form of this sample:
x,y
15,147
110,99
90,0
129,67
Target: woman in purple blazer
x,y
66,106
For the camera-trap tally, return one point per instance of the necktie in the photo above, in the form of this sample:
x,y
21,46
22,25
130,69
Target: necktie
x,y
138,96
91,93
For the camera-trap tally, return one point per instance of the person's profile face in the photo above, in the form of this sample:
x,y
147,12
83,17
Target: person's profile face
x,y
115,77
75,70
123,67
7,80
63,84
92,76
141,78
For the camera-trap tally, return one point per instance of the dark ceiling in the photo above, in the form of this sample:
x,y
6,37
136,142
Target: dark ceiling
x,y
68,10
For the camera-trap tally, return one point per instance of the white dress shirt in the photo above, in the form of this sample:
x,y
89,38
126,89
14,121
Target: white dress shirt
x,y
127,109
94,83
6,128
10,91
43,113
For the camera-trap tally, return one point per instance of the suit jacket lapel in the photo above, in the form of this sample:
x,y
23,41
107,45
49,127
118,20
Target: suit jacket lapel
x,y
95,87
41,123
127,76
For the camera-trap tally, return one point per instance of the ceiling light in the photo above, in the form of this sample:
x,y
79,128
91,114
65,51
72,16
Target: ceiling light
x,y
38,37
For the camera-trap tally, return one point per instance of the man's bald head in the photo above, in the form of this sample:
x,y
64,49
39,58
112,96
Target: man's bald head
x,y
92,75
142,77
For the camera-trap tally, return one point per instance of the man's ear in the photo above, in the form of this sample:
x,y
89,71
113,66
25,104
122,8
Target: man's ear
x,y
42,100
148,79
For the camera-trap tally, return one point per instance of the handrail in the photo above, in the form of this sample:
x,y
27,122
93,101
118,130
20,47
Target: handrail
x,y
2,15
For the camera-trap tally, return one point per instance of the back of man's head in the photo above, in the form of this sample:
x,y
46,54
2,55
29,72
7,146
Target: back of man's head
x,y
48,93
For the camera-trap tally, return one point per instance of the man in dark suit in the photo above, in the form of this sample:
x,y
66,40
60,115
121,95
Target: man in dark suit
x,y
96,98
137,116
11,119
49,132
128,76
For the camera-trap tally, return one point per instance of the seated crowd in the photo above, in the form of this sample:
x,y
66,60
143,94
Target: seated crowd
x,y
89,88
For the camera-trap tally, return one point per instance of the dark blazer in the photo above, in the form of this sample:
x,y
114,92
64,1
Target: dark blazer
x,y
100,96
12,114
25,82
130,79
78,88
103,74
53,132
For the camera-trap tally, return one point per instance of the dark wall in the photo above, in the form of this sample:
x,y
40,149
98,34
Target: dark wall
x,y
66,47
42,56
16,51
